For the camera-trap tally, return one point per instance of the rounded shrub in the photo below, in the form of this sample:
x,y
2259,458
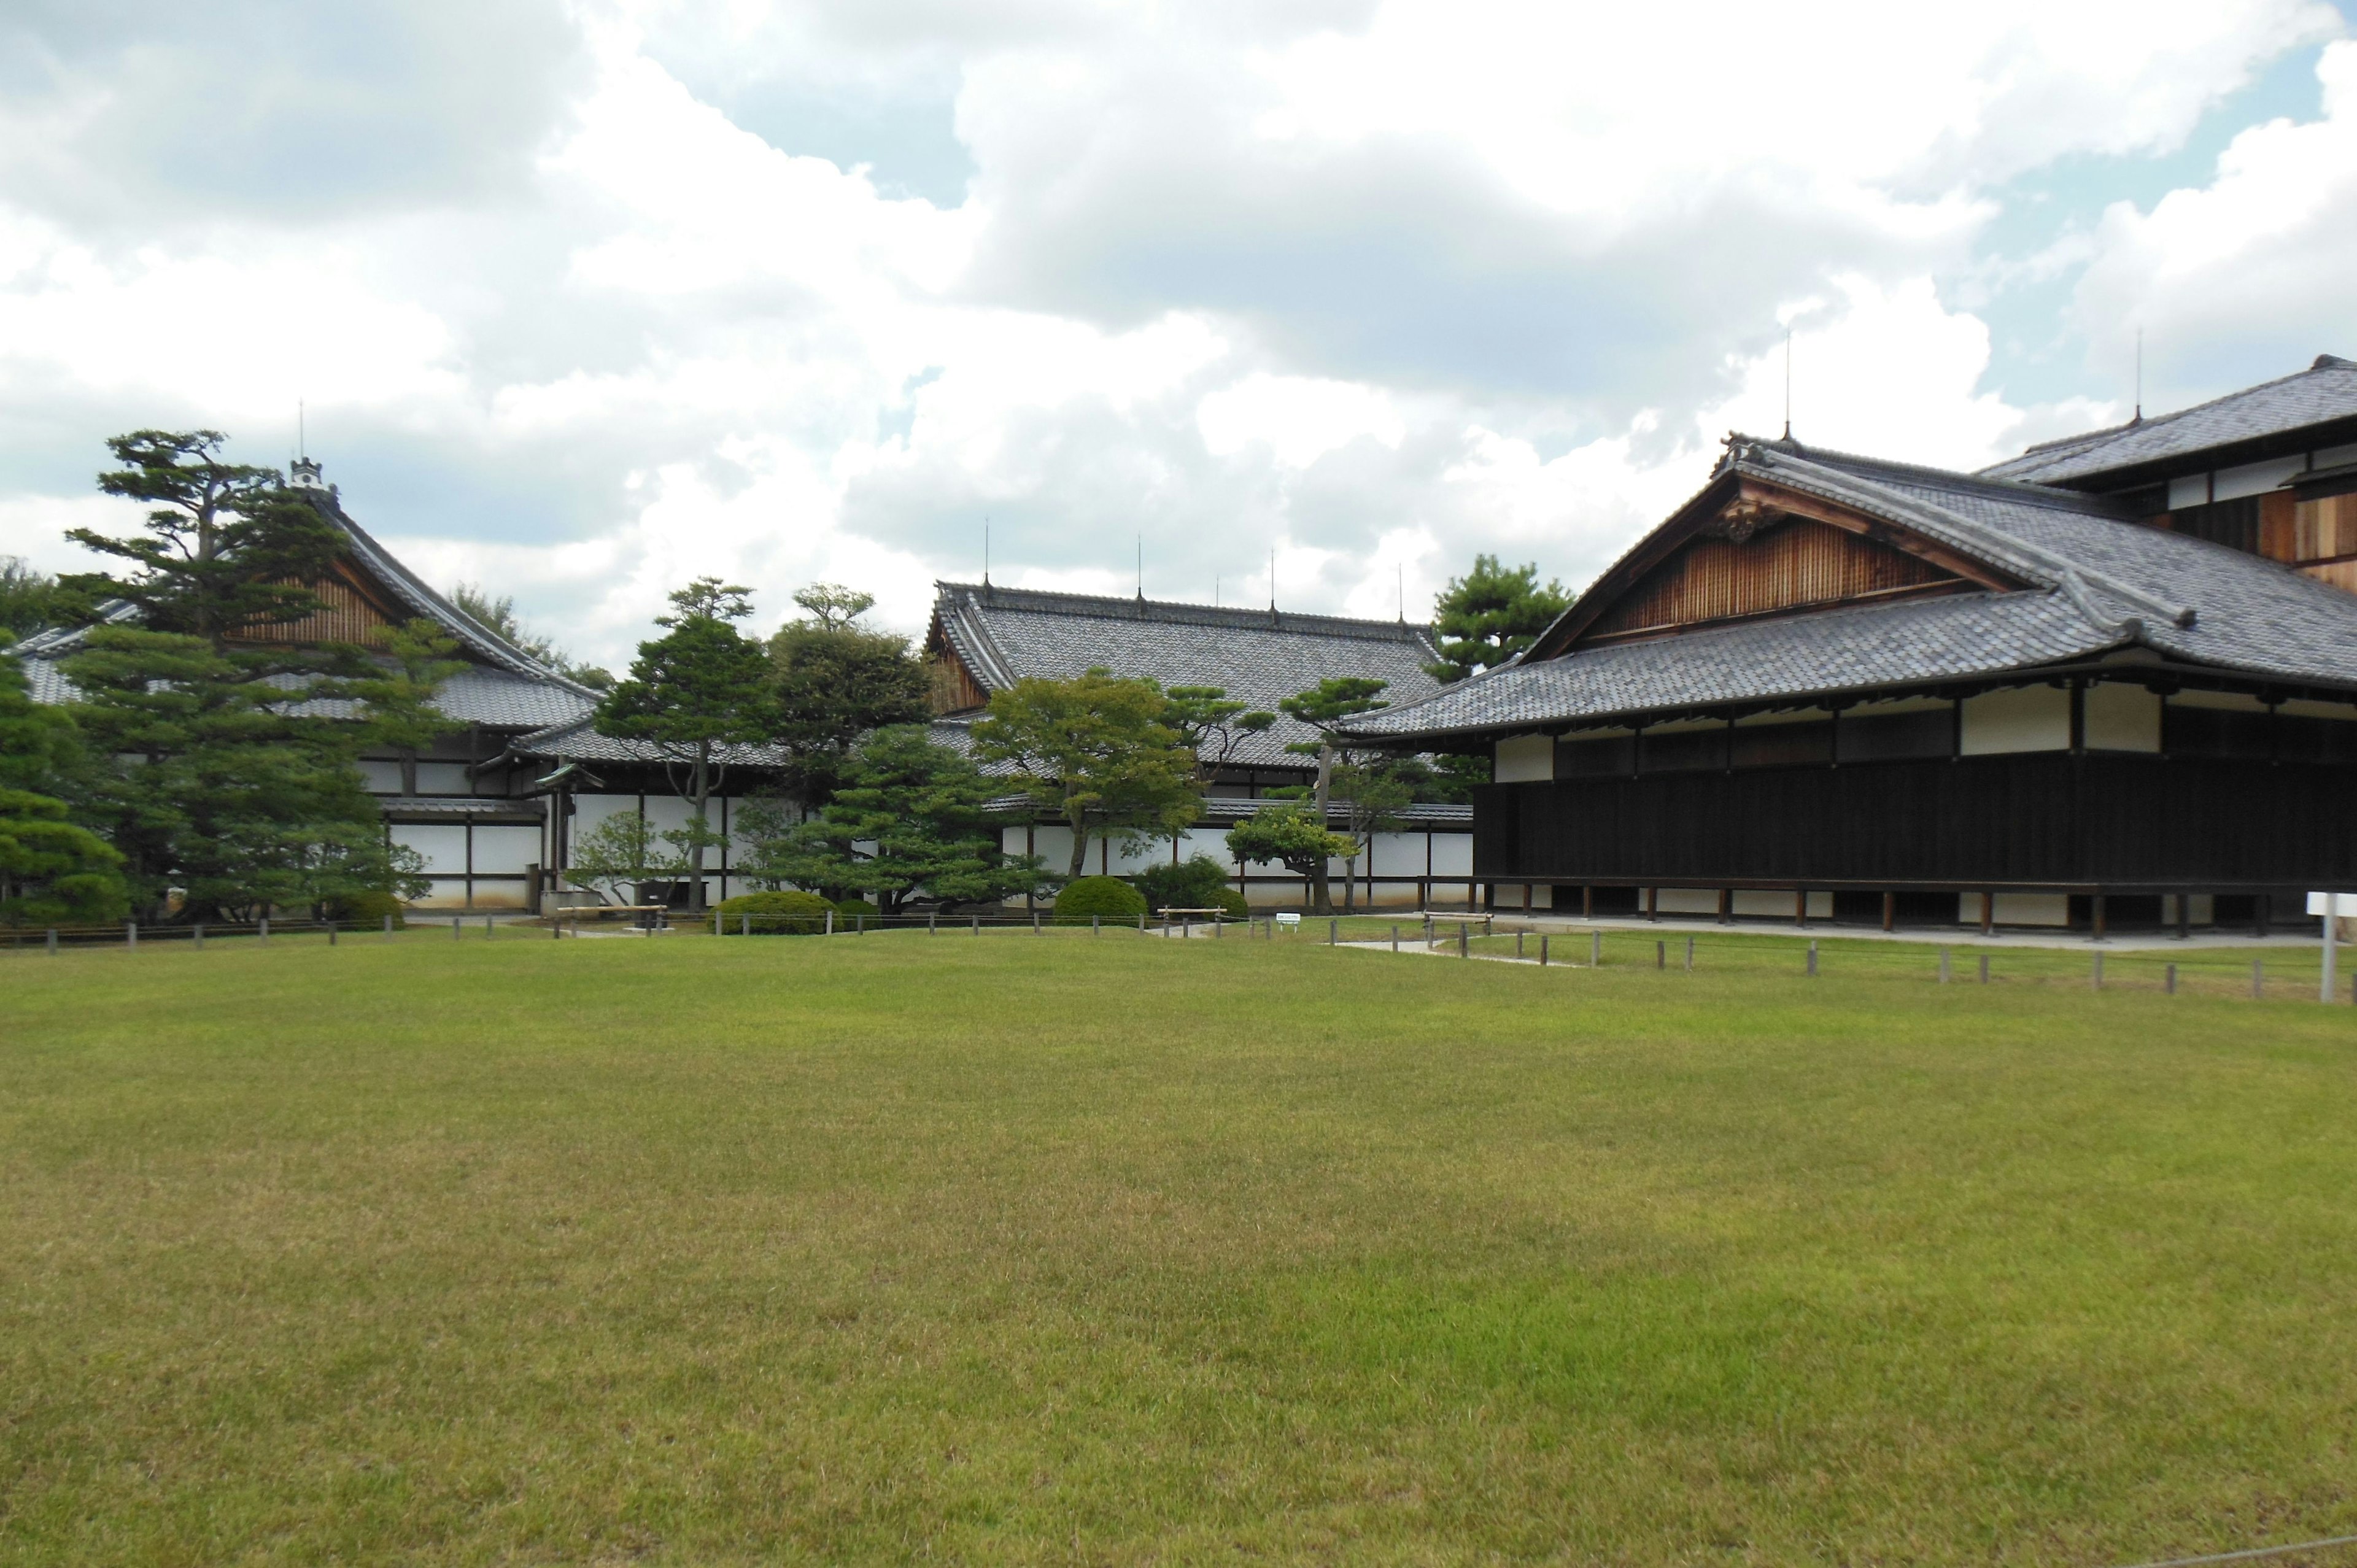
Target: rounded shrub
x,y
1196,883
850,908
368,910
1106,896
1234,903
774,913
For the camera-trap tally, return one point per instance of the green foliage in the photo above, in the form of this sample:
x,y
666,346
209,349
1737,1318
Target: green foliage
x,y
1210,724
1289,834
220,785
221,780
1195,883
40,750
53,873
396,691
617,854
1334,699
850,908
836,681
1491,614
1100,752
906,820
692,693
786,914
369,910
227,547
32,601
1108,897
831,606
497,616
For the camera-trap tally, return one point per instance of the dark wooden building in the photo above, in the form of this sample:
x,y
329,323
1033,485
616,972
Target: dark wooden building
x,y
2114,679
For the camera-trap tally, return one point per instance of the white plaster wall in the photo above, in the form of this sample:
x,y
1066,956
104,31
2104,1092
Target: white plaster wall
x,y
588,811
2255,478
1524,759
446,893
443,846
2018,909
380,777
1452,854
2121,717
504,847
2021,718
1685,901
1770,905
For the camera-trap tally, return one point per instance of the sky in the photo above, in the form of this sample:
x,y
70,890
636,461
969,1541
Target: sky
x,y
1306,298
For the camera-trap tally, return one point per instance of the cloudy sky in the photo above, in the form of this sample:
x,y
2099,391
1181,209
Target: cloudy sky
x,y
585,300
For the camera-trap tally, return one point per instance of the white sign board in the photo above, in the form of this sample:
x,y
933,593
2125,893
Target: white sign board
x,y
2347,903
1289,919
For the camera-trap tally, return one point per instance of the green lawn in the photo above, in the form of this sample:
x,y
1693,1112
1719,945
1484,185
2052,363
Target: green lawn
x,y
1071,1249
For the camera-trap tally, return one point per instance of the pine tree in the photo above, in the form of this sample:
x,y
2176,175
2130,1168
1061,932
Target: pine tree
x,y
908,818
1491,614
691,694
232,777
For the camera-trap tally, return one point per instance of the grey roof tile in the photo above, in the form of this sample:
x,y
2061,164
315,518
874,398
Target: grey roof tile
x,y
2325,391
2097,582
1004,635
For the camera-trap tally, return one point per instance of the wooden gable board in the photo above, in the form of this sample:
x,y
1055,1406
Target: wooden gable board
x,y
1747,549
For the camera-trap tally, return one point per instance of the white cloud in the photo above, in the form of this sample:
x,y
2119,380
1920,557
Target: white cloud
x,y
2251,269
1372,283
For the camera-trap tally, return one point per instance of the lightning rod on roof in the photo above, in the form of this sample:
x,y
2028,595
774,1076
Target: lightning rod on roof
x,y
1141,566
985,552
1399,569
2139,384
1788,382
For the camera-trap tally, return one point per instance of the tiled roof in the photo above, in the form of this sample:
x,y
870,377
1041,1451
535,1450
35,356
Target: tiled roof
x,y
2093,581
1260,657
2324,392
578,742
501,688
1221,810
496,699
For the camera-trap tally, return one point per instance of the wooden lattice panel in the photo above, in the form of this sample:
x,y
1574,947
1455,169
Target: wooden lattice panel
x,y
1799,564
346,614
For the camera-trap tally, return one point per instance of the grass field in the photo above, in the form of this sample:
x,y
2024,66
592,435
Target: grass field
x,y
1071,1249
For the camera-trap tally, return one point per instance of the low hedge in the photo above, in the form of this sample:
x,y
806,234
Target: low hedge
x,y
774,913
370,909
1106,898
851,908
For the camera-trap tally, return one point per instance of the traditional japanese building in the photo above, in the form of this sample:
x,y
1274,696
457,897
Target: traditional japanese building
x,y
984,638
2113,679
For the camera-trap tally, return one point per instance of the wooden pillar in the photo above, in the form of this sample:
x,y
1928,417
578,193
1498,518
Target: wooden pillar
x,y
2098,914
1588,902
1801,908
1891,911
2260,911
1726,906
1527,897
1652,903
2184,916
1989,913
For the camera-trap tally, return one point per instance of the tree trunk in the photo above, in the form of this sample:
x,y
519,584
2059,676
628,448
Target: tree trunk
x,y
1079,852
1321,892
695,839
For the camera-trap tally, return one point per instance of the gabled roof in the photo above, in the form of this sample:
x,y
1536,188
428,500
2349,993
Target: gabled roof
x,y
1259,657
2324,395
502,688
2075,579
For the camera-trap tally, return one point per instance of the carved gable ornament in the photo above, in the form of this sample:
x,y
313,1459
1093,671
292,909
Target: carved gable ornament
x,y
1744,517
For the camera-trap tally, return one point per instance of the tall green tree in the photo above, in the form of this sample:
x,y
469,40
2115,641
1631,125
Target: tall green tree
x,y
906,819
53,871
1324,707
230,773
691,694
1097,751
1491,614
33,601
498,616
1211,725
837,680
226,547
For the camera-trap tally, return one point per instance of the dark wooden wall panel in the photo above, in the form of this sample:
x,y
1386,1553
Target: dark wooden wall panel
x,y
2047,819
